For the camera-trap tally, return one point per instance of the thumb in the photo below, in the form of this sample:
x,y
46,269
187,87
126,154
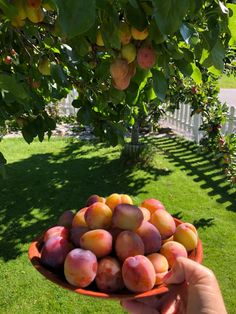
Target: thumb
x,y
190,271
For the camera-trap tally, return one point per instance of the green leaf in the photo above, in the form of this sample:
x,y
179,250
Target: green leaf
x,y
2,160
110,34
58,74
116,96
8,9
216,58
189,34
102,70
10,85
76,103
134,3
196,75
184,67
160,84
28,135
76,17
169,14
155,34
232,22
151,94
136,17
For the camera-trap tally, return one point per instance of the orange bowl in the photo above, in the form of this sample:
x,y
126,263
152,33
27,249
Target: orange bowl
x,y
34,257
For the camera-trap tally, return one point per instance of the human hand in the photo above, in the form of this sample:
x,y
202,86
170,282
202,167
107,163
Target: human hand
x,y
193,290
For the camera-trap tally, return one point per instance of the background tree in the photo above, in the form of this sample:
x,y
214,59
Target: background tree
x,y
123,57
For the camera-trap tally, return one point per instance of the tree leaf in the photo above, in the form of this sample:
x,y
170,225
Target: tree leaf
x,y
58,74
134,3
11,85
76,103
232,23
76,17
216,57
8,9
184,67
136,17
189,34
196,75
160,85
169,14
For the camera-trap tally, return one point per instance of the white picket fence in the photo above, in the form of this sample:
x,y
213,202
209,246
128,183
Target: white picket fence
x,y
183,123
180,121
65,105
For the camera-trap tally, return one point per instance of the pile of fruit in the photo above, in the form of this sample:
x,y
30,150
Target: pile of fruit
x,y
116,245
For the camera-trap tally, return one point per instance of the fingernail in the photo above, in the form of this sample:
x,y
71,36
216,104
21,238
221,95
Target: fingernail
x,y
168,275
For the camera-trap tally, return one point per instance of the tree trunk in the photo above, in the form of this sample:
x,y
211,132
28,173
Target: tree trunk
x,y
135,134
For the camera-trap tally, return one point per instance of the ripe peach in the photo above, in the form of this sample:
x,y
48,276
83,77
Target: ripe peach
x,y
21,9
113,200
55,232
44,66
186,234
160,264
164,222
54,252
98,216
124,33
128,52
152,205
76,233
8,60
79,219
93,199
150,236
128,244
119,69
126,199
146,213
109,275
171,250
146,57
48,6
121,84
17,22
132,69
80,267
98,241
139,35
66,218
35,15
126,216
138,273
34,3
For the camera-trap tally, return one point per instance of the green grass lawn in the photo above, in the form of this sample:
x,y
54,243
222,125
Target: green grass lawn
x,y
45,179
227,81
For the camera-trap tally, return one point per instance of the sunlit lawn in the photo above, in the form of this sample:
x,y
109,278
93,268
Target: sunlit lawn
x,y
227,81
44,179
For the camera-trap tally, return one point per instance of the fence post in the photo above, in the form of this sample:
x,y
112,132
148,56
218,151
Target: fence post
x,y
196,125
231,120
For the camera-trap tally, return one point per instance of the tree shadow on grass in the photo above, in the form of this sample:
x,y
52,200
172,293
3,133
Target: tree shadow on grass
x,y
38,189
187,156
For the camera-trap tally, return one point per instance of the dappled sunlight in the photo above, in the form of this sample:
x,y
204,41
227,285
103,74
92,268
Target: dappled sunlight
x,y
189,158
